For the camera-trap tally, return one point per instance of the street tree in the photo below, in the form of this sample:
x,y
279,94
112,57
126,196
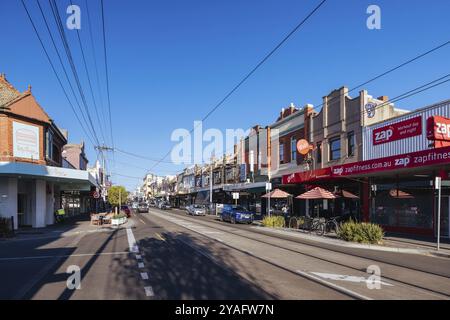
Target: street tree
x,y
117,195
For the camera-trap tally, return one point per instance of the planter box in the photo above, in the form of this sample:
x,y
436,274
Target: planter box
x,y
116,222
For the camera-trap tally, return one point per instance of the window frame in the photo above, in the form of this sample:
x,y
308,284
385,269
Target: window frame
x,y
281,153
351,143
332,151
293,149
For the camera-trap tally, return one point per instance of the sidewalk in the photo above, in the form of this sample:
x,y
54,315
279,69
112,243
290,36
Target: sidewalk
x,y
391,243
70,227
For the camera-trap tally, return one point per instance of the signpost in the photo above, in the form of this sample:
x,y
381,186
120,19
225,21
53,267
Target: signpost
x,y
437,185
236,197
268,189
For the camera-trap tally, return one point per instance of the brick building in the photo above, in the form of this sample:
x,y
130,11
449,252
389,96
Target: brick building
x,y
31,175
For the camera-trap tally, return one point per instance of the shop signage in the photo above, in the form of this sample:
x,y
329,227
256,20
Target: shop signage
x,y
370,109
397,131
438,128
409,160
25,141
304,176
303,147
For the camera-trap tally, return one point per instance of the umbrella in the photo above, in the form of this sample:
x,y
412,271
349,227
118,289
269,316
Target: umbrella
x,y
317,193
277,194
399,194
345,194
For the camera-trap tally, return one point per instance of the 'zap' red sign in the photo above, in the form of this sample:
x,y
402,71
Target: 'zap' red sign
x,y
397,131
438,128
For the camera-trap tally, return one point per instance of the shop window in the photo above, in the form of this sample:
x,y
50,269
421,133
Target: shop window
x,y
351,144
403,204
335,148
293,149
281,151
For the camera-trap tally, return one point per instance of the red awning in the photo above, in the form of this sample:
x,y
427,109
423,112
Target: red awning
x,y
277,194
317,193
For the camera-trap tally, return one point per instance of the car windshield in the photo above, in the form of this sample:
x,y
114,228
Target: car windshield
x,y
197,206
239,208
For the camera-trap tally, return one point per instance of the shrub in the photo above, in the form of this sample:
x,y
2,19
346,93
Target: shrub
x,y
361,232
273,221
119,216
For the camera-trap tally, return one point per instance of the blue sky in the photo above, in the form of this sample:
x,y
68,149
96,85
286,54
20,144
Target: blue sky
x,y
171,61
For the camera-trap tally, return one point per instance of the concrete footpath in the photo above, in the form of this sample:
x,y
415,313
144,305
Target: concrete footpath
x,y
71,227
390,243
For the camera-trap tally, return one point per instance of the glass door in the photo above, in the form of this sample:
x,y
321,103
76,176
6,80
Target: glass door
x,y
445,215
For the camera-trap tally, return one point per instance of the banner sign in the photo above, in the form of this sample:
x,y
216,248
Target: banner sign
x,y
438,128
243,172
397,131
429,157
25,141
304,176
409,160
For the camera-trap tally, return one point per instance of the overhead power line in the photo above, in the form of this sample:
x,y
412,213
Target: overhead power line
x,y
89,81
107,73
55,72
252,71
62,34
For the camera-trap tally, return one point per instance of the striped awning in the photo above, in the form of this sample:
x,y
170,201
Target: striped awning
x,y
317,193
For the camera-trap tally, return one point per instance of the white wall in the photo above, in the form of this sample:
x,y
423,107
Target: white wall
x,y
8,198
39,204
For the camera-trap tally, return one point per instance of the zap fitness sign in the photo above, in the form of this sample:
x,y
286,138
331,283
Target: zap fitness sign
x,y
397,131
403,161
438,128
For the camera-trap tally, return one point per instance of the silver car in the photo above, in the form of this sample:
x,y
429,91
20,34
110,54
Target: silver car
x,y
196,210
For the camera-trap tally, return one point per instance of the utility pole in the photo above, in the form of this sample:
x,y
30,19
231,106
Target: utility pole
x,y
105,174
211,184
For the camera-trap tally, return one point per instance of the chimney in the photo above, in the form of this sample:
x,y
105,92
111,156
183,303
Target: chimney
x,y
383,98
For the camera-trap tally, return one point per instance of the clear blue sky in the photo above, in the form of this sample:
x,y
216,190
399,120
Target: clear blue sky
x,y
170,61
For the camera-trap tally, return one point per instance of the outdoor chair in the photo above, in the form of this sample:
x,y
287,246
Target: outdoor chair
x,y
95,220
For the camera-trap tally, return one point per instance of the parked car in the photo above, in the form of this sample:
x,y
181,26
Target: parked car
x,y
126,210
236,214
143,207
196,210
165,206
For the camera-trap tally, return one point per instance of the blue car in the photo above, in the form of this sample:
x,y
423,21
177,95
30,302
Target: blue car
x,y
236,214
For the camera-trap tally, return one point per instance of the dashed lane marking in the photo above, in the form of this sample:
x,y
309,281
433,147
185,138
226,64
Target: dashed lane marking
x,y
144,275
149,291
132,241
140,265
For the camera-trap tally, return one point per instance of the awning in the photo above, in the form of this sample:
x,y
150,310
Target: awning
x,y
55,174
317,193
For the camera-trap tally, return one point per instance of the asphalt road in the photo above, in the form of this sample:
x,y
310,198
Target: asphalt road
x,y
168,255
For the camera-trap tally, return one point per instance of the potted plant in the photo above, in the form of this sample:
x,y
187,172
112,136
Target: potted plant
x,y
118,219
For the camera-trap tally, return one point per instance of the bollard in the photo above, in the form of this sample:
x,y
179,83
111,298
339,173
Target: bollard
x,y
12,225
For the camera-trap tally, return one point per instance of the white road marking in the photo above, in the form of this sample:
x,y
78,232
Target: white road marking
x,y
149,291
334,286
144,275
342,277
132,241
138,257
140,265
64,256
